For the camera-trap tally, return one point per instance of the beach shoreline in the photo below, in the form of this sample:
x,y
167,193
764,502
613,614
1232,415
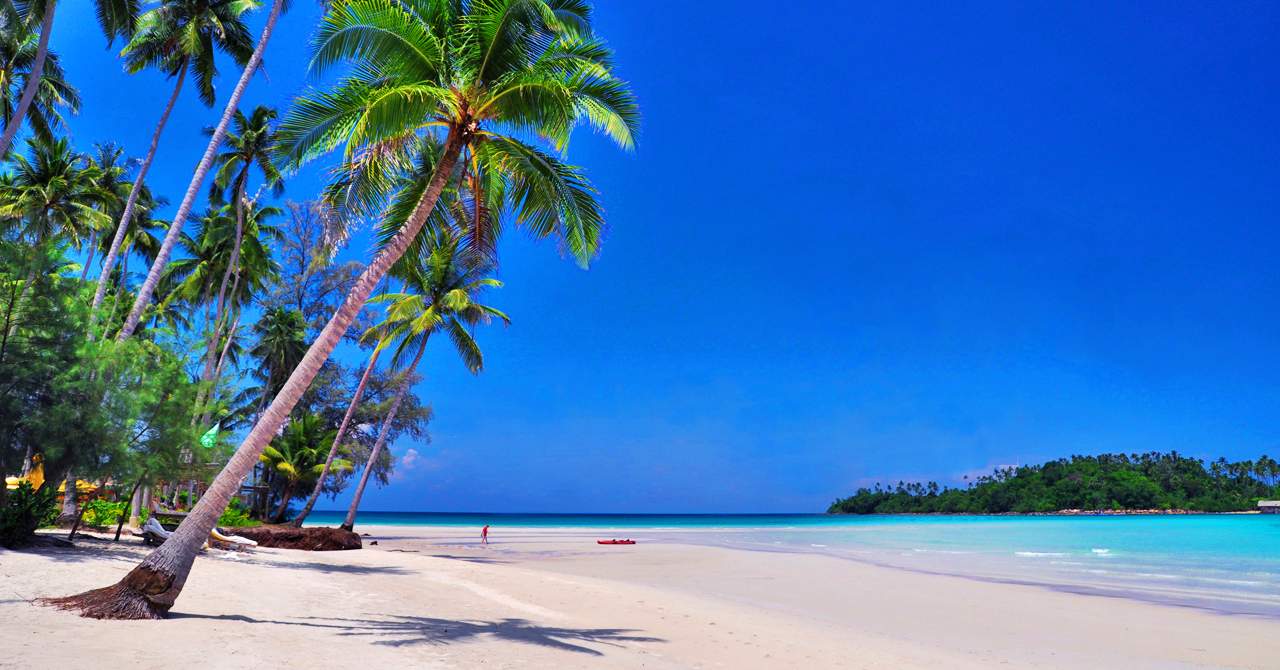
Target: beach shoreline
x,y
431,596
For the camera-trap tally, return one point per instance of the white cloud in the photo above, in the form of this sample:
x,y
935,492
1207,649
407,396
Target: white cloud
x,y
409,459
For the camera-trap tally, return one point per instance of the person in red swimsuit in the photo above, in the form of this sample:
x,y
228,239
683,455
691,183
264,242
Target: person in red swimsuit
x,y
484,534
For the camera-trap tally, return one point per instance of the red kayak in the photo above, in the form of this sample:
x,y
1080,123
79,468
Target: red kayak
x,y
615,541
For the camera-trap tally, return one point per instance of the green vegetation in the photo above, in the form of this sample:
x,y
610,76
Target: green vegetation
x,y
22,511
101,513
236,515
451,123
1153,481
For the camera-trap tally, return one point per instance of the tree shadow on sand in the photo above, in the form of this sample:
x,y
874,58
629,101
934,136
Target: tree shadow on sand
x,y
330,568
403,631
472,559
86,551
411,630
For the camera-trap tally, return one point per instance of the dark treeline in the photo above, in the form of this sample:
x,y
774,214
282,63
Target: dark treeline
x,y
1155,481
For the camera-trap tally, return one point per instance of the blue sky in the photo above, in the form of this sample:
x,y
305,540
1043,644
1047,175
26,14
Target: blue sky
x,y
857,242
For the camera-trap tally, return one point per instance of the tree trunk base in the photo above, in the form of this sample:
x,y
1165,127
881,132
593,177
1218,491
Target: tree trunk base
x,y
127,599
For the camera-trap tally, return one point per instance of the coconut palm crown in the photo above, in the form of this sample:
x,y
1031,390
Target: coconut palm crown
x,y
184,34
18,45
499,77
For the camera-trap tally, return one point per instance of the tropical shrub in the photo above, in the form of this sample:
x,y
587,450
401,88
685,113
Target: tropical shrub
x,y
236,515
24,510
99,513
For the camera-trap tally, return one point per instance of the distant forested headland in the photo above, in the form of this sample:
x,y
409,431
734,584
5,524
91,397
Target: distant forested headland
x,y
1153,481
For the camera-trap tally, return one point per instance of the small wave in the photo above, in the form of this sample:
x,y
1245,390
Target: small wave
x,y
821,546
1234,582
1040,554
1100,552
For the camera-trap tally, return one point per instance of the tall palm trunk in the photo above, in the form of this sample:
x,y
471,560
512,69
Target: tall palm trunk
x,y
337,440
122,228
33,80
217,373
151,588
211,349
226,347
197,179
115,300
350,521
233,264
93,247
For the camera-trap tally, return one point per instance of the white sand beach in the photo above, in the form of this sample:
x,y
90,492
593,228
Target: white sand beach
x,y
431,597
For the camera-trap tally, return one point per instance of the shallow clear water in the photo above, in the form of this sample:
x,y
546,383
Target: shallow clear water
x,y
1226,563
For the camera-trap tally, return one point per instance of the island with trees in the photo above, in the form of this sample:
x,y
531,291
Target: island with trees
x,y
1108,483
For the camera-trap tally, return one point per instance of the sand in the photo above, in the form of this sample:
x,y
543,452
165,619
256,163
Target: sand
x,y
432,598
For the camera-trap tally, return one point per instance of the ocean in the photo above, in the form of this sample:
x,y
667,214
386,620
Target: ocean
x,y
1224,563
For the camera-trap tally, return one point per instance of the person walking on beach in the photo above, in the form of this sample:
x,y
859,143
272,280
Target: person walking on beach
x,y
484,534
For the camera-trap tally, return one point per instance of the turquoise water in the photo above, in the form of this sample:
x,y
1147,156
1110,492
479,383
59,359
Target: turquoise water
x,y
1226,563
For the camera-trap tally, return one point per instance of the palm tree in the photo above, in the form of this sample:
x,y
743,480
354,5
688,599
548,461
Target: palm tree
x,y
116,18
192,278
17,58
337,439
189,280
53,190
295,456
197,178
439,296
247,146
141,239
177,37
108,159
478,72
255,269
280,335
281,343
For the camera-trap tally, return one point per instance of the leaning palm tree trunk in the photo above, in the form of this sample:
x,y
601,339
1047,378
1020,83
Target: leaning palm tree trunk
x,y
33,80
350,521
122,228
337,440
202,170
151,588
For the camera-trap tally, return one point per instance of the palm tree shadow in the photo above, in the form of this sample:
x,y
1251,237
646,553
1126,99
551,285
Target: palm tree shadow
x,y
413,630
332,568
472,559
